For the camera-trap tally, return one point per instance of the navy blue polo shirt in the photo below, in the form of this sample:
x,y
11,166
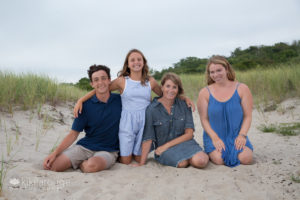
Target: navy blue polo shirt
x,y
100,121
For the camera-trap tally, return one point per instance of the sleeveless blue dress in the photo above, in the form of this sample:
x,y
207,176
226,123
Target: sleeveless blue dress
x,y
226,119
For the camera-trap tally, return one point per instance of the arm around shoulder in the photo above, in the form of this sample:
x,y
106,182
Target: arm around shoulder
x,y
78,106
117,84
155,87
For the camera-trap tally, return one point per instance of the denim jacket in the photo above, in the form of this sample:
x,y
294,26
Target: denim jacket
x,y
161,127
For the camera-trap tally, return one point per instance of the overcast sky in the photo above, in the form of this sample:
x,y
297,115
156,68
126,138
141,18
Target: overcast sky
x,y
62,38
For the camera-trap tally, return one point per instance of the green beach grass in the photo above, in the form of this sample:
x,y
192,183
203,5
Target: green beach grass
x,y
286,129
30,90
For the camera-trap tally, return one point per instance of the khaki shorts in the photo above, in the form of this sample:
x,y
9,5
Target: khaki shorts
x,y
77,154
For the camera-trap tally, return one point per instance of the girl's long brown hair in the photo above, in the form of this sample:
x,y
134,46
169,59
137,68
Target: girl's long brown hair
x,y
126,71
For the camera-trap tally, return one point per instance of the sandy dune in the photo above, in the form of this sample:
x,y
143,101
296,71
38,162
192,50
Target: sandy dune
x,y
276,159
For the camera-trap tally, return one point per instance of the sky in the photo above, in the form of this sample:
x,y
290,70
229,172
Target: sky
x,y
61,39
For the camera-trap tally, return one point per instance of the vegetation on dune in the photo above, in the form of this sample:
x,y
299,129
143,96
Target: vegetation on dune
x,y
272,84
84,84
29,90
296,178
266,84
286,129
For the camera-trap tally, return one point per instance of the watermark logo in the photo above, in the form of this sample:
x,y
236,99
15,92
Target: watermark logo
x,y
36,183
14,182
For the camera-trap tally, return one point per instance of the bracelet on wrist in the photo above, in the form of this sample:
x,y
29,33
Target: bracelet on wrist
x,y
244,135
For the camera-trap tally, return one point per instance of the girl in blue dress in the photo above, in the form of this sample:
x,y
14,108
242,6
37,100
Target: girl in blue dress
x,y
225,109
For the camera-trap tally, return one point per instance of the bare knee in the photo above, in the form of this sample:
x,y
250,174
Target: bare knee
x,y
61,164
216,158
89,166
125,160
245,157
218,161
246,160
183,164
137,159
199,160
56,169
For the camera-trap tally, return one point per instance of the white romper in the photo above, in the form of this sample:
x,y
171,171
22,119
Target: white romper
x,y
135,99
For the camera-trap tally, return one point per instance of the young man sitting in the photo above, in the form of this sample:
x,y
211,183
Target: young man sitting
x,y
99,118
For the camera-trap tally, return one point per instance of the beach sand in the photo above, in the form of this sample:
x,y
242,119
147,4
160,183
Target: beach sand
x,y
276,159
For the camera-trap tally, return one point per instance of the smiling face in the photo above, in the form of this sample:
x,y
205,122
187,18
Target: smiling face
x,y
215,69
217,73
170,90
135,62
100,82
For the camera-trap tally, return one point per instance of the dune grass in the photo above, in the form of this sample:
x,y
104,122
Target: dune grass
x,y
286,129
192,84
2,175
267,128
295,178
273,85
30,90
4,168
